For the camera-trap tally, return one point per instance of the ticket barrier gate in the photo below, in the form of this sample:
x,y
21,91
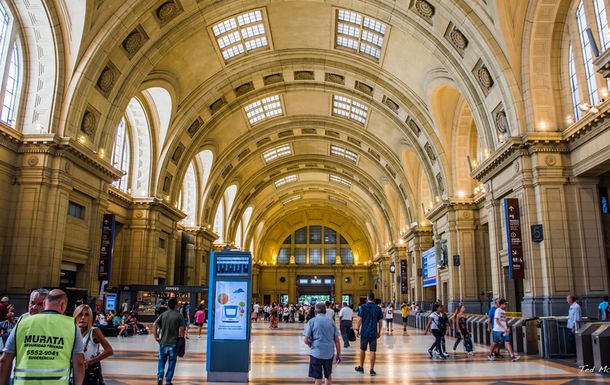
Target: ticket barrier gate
x,y
584,344
529,336
553,338
601,346
516,333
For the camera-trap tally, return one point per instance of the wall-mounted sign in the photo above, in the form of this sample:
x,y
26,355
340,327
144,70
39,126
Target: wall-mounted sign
x,y
537,234
512,217
404,289
105,264
428,265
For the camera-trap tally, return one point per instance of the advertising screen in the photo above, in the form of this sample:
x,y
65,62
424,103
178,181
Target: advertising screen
x,y
110,302
230,312
428,267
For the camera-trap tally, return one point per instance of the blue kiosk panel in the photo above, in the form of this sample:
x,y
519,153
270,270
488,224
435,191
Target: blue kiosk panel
x,y
230,292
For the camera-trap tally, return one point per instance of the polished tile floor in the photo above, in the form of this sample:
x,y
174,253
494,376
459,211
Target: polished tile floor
x,y
280,357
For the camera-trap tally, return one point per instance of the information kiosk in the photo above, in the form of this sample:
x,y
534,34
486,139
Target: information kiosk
x,y
230,290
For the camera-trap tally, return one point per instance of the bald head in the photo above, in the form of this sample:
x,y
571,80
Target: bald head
x,y
56,300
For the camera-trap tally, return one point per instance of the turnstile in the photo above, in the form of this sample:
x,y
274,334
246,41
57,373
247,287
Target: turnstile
x,y
601,346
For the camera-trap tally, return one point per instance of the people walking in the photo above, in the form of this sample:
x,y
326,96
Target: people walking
x,y
501,332
494,351
404,312
389,318
461,330
346,315
92,339
52,335
171,325
369,329
322,336
435,325
199,320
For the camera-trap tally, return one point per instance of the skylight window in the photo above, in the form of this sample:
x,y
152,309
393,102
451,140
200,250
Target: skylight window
x,y
241,34
277,152
340,180
350,109
287,179
264,109
291,199
343,153
360,33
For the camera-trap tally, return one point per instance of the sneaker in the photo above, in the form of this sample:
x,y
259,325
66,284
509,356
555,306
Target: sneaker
x,y
499,355
515,358
359,369
491,357
373,373
445,354
160,382
346,345
430,353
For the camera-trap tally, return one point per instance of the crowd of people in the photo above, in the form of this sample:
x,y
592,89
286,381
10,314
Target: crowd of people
x,y
327,329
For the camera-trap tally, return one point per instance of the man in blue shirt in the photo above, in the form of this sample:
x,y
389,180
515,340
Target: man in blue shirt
x,y
602,312
574,316
369,328
322,336
494,349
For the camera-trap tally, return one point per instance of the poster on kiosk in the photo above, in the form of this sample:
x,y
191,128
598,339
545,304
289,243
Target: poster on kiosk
x,y
230,292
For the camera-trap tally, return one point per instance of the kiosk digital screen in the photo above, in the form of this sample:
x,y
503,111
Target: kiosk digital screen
x,y
230,312
429,267
110,302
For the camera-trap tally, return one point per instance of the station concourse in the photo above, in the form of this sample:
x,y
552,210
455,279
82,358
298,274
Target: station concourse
x,y
427,151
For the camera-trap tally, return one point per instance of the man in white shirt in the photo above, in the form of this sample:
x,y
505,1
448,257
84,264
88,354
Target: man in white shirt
x,y
330,313
573,319
346,314
501,331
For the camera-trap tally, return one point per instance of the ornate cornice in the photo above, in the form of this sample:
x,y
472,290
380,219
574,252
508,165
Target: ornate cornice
x,y
157,204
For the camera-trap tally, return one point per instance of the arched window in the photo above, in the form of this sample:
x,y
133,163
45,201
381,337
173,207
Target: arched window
x,y
120,156
315,245
239,235
602,23
581,17
10,65
219,222
574,84
205,159
188,201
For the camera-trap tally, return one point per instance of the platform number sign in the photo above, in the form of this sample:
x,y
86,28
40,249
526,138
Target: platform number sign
x,y
514,238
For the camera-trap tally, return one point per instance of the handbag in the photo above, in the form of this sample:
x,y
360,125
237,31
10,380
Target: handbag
x,y
352,335
180,346
93,372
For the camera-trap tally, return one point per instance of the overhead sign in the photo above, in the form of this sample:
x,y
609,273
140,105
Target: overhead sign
x,y
514,239
428,265
404,288
106,246
232,266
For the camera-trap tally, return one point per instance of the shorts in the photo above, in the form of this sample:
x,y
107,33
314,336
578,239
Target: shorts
x,y
198,323
389,320
405,320
369,341
319,368
501,337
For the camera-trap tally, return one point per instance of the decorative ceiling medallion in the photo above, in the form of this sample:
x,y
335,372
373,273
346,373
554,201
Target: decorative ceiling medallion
x,y
244,89
88,122
274,78
484,78
439,181
107,79
167,11
304,75
334,78
32,161
458,39
363,87
194,127
501,122
134,41
424,9
430,152
550,160
414,126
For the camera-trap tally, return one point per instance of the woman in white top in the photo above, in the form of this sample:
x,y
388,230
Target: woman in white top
x,y
92,338
389,318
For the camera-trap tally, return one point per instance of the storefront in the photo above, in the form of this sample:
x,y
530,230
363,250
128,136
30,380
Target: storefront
x,y
145,299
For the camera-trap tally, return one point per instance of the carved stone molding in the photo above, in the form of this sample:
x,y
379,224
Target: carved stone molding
x,y
430,152
414,126
194,127
364,88
273,78
244,89
501,122
304,75
334,78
